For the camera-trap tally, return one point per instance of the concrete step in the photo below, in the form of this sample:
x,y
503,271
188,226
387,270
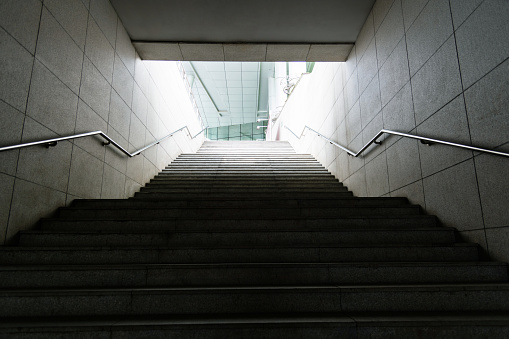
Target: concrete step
x,y
227,164
288,326
218,213
205,202
259,300
189,224
257,185
432,235
244,190
245,170
244,161
237,254
246,179
240,194
256,274
238,174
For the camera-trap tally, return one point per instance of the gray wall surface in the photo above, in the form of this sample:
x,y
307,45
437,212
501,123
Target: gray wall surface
x,y
68,66
437,68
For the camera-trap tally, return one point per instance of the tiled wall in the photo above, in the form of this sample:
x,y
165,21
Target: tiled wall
x,y
68,66
437,68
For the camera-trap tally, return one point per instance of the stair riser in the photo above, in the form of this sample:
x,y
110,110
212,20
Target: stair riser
x,y
231,275
325,179
344,327
435,236
274,172
242,191
234,224
253,204
150,213
240,195
226,301
254,185
37,256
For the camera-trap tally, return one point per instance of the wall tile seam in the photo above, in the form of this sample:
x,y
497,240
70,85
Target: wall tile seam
x,y
466,19
484,75
79,99
322,126
352,72
84,150
354,172
131,104
380,111
446,168
392,52
56,76
19,43
63,28
398,92
435,112
369,83
11,107
42,185
24,119
464,100
131,76
100,28
432,55
372,36
385,16
70,166
406,185
120,23
364,55
469,230
353,138
494,227
480,203
417,16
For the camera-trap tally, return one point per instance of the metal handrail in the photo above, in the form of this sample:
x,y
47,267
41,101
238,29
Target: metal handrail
x,y
424,140
53,142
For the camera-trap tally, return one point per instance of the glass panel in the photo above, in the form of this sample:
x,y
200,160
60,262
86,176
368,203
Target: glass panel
x,y
246,130
235,138
234,132
222,132
212,133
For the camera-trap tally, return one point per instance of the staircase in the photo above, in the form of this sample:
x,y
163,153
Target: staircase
x,y
248,240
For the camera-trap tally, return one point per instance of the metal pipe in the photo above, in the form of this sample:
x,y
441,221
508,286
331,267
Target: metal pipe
x,y
373,140
110,141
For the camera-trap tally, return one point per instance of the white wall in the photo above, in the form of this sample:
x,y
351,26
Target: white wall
x,y
436,68
68,66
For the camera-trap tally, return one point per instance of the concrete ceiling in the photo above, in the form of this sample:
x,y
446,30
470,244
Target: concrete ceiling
x,y
247,30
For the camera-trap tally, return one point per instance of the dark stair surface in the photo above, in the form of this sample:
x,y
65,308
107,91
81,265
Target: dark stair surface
x,y
248,240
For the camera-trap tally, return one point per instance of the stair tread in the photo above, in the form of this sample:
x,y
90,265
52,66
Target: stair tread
x,y
463,318
249,265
